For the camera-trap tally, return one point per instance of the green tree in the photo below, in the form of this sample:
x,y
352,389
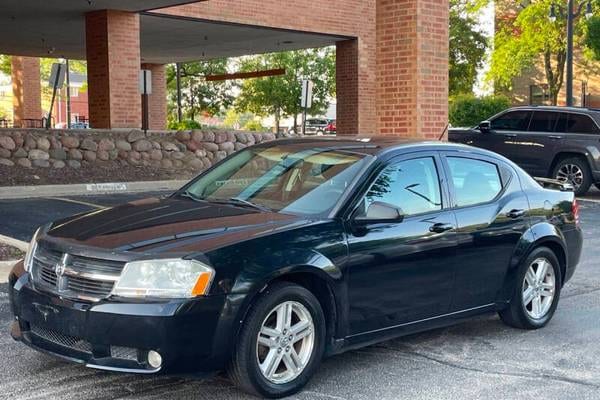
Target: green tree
x,y
468,46
523,39
279,96
198,95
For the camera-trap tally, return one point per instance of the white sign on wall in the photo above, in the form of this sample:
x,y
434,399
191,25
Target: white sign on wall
x,y
145,81
307,94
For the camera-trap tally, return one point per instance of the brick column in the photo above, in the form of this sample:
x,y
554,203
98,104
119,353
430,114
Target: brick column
x,y
412,67
157,101
113,64
356,86
27,91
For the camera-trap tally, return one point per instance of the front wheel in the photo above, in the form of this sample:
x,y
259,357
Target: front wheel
x,y
576,172
536,293
281,342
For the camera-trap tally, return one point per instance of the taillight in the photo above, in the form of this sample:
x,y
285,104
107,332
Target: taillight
x,y
575,211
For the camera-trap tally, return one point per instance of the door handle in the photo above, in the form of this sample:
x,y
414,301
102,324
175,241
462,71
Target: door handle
x,y
441,228
515,214
555,137
510,135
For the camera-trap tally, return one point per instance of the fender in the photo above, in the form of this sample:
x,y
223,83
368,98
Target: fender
x,y
590,153
278,264
537,234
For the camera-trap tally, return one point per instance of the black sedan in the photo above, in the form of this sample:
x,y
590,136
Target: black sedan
x,y
293,250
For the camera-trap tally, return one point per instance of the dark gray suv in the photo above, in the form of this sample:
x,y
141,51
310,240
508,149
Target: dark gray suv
x,y
555,142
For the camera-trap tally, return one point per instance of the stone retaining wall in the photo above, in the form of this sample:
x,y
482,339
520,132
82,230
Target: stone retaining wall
x,y
194,150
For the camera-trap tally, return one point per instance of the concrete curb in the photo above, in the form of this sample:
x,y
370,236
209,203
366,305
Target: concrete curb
x,y
5,267
19,244
82,189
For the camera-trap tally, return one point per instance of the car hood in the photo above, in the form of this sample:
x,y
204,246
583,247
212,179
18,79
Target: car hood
x,y
173,225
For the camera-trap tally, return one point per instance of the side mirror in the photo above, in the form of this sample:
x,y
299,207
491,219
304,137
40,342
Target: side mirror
x,y
485,127
380,212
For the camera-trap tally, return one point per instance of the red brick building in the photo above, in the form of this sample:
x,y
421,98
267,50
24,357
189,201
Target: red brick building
x,y
392,55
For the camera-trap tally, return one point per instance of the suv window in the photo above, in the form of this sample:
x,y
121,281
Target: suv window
x,y
475,181
543,121
579,123
413,186
512,121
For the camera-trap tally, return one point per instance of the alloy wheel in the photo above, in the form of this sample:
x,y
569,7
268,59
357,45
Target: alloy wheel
x,y
539,288
285,342
572,174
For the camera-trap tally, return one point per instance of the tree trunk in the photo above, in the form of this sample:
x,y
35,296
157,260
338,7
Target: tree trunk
x,y
277,121
554,77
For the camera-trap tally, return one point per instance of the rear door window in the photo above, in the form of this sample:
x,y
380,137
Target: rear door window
x,y
512,121
475,181
543,121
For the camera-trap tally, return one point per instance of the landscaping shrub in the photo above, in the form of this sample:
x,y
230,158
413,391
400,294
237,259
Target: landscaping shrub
x,y
184,125
468,110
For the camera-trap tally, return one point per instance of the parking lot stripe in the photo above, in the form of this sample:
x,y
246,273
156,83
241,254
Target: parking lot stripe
x,y
85,203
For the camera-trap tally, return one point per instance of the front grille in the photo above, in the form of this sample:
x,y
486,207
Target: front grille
x,y
61,339
74,276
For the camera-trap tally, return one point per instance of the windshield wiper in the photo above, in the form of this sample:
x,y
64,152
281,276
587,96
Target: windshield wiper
x,y
240,202
189,195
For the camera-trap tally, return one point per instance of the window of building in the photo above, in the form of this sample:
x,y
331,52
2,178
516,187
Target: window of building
x,y
539,95
512,121
412,186
74,91
475,181
543,121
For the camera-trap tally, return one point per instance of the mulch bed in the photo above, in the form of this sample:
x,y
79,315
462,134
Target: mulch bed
x,y
11,176
9,253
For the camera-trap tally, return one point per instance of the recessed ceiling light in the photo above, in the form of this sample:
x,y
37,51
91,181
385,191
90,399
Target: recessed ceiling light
x,y
287,42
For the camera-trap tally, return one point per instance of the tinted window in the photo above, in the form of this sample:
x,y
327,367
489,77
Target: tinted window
x,y
543,121
475,181
413,186
579,123
512,121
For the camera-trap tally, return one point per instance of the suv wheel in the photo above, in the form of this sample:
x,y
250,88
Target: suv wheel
x,y
536,293
281,342
576,172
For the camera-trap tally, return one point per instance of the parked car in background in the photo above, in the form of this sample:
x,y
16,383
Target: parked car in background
x,y
556,142
331,128
295,249
314,127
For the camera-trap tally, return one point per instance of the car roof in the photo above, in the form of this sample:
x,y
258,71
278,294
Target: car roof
x,y
373,145
557,108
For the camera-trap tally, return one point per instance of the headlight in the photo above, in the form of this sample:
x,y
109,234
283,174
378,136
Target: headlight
x,y
164,278
31,251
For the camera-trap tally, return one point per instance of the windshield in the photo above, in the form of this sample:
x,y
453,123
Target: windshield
x,y
280,178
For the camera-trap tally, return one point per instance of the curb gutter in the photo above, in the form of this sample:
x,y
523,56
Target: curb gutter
x,y
82,189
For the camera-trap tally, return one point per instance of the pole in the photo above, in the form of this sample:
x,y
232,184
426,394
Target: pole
x,y
570,22
178,82
304,121
68,94
49,119
145,104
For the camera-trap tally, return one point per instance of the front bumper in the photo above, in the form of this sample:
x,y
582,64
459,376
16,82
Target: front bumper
x,y
190,335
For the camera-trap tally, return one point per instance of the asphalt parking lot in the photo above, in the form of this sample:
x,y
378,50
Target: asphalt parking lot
x,y
479,359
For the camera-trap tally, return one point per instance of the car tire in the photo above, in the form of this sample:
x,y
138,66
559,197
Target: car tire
x,y
250,369
320,132
521,312
567,167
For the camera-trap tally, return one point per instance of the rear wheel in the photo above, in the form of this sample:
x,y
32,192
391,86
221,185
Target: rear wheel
x,y
576,172
537,291
281,343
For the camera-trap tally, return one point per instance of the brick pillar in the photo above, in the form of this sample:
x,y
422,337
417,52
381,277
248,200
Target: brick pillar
x,y
27,91
157,101
412,67
113,65
356,86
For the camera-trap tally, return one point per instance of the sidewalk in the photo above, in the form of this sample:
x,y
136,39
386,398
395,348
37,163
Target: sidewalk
x,y
82,189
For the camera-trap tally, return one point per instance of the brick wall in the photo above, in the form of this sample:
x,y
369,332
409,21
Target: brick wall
x,y
113,55
157,101
27,95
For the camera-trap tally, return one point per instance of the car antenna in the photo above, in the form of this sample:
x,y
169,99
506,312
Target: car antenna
x,y
444,131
